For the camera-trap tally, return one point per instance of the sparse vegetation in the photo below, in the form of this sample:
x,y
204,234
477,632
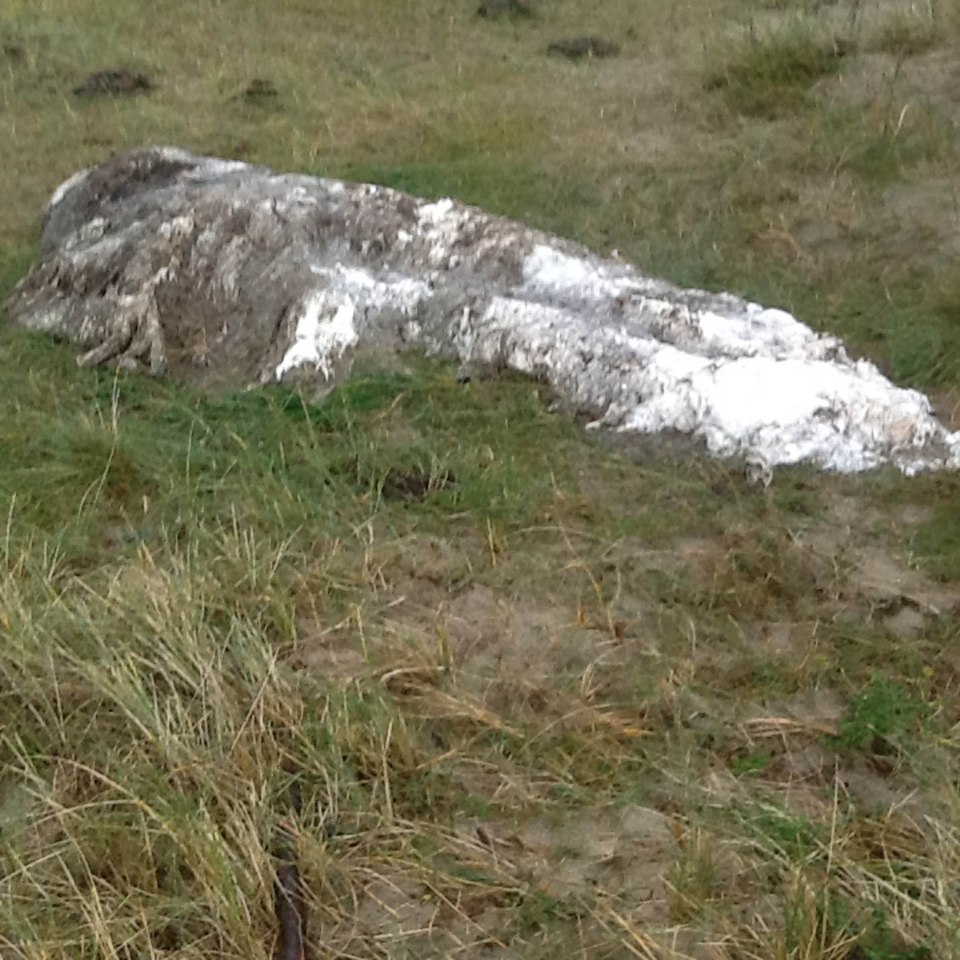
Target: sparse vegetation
x,y
546,692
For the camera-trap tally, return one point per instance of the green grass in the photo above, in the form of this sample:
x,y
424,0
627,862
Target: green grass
x,y
476,634
880,716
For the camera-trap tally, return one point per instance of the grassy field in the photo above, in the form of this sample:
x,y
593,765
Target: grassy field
x,y
546,693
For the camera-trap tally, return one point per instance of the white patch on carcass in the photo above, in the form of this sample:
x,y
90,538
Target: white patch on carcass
x,y
561,276
437,212
320,339
758,332
179,228
327,324
842,416
369,291
440,224
216,169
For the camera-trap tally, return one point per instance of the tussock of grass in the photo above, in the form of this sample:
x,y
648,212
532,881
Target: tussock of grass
x,y
770,74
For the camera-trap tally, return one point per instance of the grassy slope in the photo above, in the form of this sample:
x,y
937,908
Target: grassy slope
x,y
452,612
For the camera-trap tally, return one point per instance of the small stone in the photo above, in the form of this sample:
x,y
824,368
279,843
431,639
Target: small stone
x,y
577,48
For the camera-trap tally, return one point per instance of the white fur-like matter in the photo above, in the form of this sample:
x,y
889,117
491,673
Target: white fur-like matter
x,y
326,328
748,380
324,331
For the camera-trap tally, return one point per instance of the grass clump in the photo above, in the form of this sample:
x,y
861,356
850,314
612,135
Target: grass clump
x,y
880,717
771,74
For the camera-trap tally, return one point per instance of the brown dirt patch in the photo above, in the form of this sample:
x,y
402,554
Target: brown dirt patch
x,y
874,575
500,881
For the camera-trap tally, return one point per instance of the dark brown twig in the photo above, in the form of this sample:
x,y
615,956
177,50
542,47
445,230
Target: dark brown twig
x,y
289,893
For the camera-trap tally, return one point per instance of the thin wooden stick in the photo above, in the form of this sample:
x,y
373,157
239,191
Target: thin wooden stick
x,y
289,894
